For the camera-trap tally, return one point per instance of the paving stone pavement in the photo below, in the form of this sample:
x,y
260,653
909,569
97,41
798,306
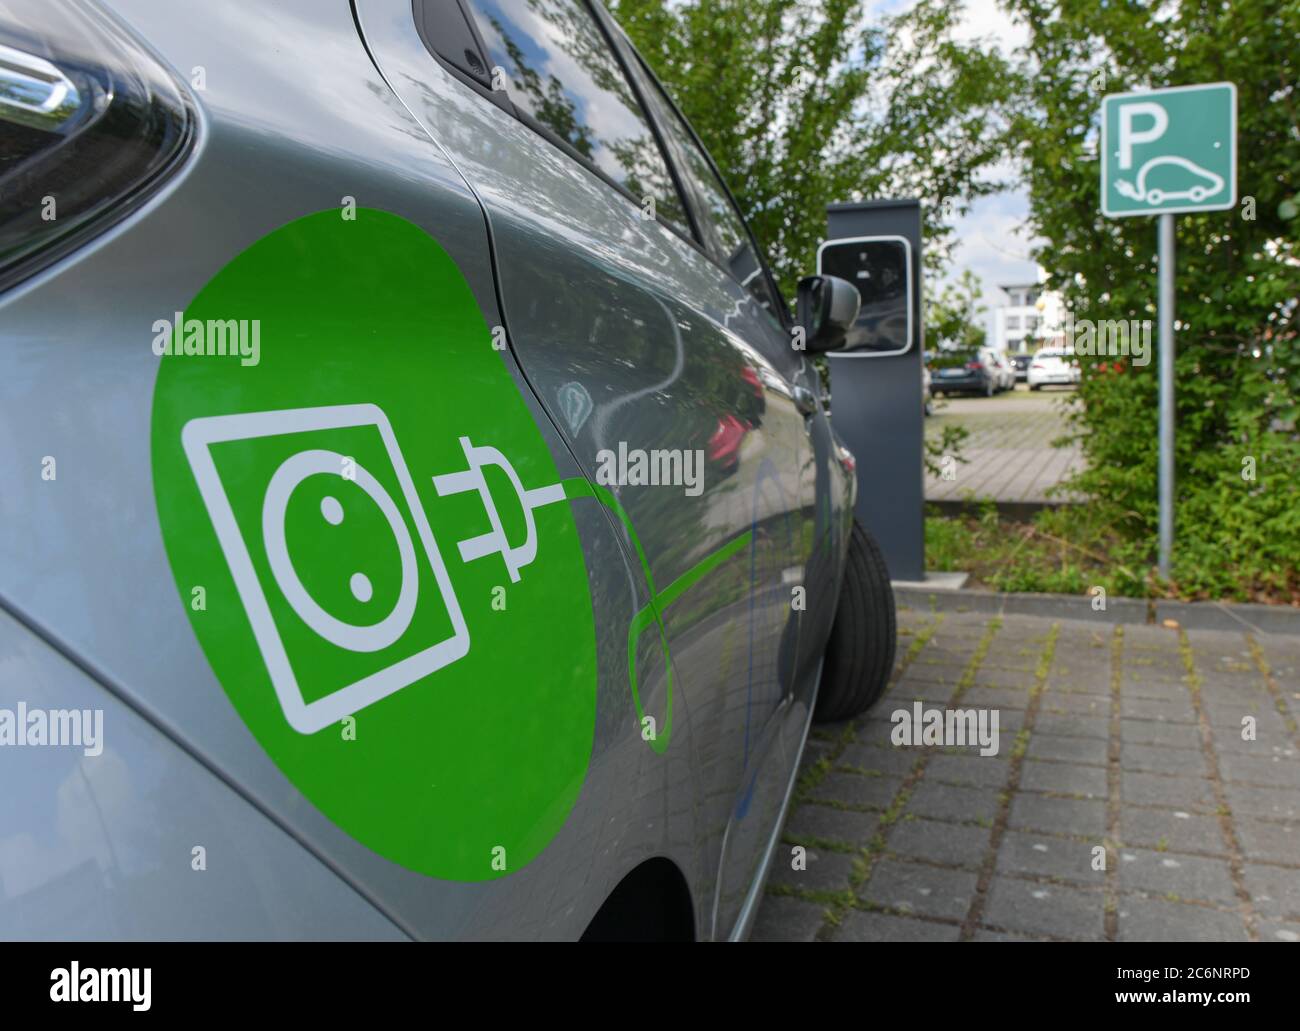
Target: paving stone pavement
x,y
1146,788
1009,454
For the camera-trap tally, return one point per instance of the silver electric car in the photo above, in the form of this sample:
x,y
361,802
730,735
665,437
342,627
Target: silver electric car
x,y
418,513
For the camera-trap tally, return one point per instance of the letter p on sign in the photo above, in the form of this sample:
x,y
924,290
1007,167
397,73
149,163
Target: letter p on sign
x,y
1128,135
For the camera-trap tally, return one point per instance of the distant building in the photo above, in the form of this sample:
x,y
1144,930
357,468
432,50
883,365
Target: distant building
x,y
1031,318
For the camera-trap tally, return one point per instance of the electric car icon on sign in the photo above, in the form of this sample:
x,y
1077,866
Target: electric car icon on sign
x,y
1196,193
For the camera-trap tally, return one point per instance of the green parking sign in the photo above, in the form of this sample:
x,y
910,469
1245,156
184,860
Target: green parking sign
x,y
1169,151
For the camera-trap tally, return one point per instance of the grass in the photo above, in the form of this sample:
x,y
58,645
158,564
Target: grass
x,y
1059,551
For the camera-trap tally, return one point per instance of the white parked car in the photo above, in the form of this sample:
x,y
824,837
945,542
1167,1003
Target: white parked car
x,y
1053,367
1002,371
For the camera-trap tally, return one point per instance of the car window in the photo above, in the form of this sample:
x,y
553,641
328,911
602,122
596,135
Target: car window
x,y
724,222
563,76
728,239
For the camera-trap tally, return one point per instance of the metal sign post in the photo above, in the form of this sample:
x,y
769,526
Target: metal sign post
x,y
1165,300
1164,152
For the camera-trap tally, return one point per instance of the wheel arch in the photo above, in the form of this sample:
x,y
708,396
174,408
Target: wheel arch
x,y
651,903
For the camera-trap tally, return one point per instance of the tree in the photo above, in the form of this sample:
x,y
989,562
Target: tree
x,y
953,320
1238,278
803,103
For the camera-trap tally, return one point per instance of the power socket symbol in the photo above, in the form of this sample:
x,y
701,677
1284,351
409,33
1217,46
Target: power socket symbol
x,y
398,642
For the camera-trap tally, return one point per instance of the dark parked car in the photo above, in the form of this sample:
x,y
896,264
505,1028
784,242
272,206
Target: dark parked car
x,y
963,372
1020,361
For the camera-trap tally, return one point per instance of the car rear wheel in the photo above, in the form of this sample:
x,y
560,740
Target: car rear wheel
x,y
860,652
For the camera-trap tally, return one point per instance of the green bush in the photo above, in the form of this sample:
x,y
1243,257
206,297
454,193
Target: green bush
x,y
1238,279
1060,551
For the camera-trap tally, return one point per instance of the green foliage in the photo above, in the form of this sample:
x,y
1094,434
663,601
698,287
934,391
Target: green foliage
x,y
1062,550
1238,278
949,442
803,103
953,319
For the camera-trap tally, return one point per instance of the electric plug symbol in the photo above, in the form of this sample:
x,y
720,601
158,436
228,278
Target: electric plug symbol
x,y
494,541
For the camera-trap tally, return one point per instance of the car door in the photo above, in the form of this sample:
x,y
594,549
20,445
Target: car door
x,y
648,355
823,511
733,245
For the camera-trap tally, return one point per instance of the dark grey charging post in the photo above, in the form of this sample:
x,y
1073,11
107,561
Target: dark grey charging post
x,y
876,403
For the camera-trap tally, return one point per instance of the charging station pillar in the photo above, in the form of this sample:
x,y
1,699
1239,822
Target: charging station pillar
x,y
876,401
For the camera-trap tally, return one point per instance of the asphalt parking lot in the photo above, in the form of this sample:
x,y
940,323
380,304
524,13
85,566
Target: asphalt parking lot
x,y
1126,801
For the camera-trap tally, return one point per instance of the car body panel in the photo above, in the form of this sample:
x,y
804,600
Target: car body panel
x,y
295,118
93,539
671,353
105,845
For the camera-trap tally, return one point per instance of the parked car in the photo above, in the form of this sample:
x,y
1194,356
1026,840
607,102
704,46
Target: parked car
x,y
382,471
965,372
1020,362
927,405
1004,372
1053,367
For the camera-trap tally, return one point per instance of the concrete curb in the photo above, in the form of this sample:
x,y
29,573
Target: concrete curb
x,y
1191,615
1218,615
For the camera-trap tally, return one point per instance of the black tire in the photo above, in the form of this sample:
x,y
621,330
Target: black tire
x,y
860,652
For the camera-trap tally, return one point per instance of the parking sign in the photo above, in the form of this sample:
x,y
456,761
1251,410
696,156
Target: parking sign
x,y
1169,151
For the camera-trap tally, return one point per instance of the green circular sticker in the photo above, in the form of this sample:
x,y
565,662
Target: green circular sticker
x,y
374,545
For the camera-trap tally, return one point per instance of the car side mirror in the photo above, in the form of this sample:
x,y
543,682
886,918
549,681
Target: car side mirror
x,y
827,307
